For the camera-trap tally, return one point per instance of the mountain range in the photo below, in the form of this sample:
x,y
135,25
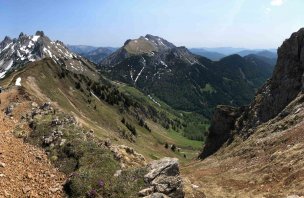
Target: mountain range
x,y
97,54
14,53
182,79
216,54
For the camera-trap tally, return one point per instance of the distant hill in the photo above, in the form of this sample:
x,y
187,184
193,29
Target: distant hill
x,y
98,54
80,49
264,53
215,54
268,54
211,55
94,54
224,50
270,61
231,50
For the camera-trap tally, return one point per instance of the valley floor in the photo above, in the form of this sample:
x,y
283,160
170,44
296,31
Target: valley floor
x,y
25,170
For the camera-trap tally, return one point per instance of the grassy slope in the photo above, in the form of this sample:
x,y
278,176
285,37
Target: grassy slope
x,y
105,120
197,125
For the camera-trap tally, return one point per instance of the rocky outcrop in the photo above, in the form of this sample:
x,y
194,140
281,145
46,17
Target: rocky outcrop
x,y
157,195
9,110
164,180
286,83
223,122
283,87
127,156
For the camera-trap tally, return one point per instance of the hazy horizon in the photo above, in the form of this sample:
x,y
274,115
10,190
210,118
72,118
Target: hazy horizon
x,y
261,24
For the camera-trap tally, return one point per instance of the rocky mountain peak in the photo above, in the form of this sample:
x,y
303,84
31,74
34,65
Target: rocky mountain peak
x,y
39,33
160,53
150,36
21,34
147,45
127,42
150,45
7,40
161,43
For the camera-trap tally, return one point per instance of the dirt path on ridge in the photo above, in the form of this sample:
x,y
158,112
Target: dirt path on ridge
x,y
25,170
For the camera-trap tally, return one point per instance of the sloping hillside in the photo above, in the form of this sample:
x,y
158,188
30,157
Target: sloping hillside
x,y
93,112
101,111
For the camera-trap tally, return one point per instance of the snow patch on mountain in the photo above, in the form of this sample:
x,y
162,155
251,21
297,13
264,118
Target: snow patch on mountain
x,y
35,38
18,81
151,98
10,64
138,75
164,64
6,47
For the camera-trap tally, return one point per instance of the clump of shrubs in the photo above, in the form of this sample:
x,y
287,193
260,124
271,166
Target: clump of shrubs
x,y
131,128
173,147
123,120
142,123
93,192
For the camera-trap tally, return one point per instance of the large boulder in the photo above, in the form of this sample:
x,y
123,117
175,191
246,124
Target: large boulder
x,y
157,195
164,179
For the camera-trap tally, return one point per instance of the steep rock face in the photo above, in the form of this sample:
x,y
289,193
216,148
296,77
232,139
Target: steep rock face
x,y
17,52
284,86
219,133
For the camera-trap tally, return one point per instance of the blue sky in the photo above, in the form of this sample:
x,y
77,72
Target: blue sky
x,y
191,23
